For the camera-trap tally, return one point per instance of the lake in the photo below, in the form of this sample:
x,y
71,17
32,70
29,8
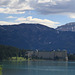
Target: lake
x,y
37,68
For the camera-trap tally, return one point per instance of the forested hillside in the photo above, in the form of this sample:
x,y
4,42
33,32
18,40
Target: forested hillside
x,y
7,52
36,36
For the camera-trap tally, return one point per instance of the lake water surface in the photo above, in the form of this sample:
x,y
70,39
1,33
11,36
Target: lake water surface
x,y
37,68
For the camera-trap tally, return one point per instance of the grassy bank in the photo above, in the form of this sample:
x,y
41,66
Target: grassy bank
x,y
18,59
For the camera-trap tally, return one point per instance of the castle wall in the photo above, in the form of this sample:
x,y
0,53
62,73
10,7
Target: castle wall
x,y
61,55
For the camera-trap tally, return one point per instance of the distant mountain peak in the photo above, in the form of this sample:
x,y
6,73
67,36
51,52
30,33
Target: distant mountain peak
x,y
67,27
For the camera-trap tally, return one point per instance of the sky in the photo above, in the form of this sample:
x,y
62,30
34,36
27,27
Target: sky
x,y
51,13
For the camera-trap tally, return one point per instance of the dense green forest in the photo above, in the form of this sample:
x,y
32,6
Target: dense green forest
x,y
7,52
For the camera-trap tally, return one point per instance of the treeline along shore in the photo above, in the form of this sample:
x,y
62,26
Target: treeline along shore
x,y
13,53
10,53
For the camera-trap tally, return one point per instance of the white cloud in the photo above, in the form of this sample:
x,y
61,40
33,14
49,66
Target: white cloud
x,y
44,1
21,19
7,23
42,6
71,15
10,11
14,6
11,17
45,22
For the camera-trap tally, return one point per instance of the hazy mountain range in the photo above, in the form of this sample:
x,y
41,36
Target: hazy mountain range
x,y
37,36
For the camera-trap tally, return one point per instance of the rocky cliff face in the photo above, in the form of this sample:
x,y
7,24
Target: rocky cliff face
x,y
67,27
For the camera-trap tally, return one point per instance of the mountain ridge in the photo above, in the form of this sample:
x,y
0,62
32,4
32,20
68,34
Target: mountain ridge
x,y
36,36
67,27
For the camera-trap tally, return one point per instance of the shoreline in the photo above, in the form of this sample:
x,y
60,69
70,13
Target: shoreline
x,y
39,60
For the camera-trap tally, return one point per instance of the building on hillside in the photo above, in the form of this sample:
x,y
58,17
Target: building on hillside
x,y
50,55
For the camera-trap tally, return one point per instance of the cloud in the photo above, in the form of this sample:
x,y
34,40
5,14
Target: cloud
x,y
71,15
14,6
43,1
42,6
54,6
10,11
45,22
7,23
11,17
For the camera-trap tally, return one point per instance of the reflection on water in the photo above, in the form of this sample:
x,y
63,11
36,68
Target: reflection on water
x,y
37,68
0,69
